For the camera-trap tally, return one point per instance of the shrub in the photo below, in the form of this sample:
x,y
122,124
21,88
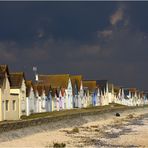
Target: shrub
x,y
23,117
58,145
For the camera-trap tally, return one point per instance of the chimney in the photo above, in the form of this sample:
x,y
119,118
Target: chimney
x,y
36,77
35,72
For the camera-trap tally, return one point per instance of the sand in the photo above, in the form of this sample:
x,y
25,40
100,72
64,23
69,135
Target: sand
x,y
104,130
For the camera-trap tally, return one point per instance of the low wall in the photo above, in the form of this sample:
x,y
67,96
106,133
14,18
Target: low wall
x,y
13,125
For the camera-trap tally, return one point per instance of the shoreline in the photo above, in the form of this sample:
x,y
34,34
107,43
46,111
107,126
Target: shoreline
x,y
98,126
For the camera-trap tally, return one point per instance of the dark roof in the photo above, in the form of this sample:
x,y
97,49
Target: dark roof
x,y
133,90
102,84
116,89
126,91
76,80
3,70
55,91
38,88
47,89
56,81
16,79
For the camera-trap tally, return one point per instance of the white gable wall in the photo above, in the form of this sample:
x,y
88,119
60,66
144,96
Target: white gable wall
x,y
30,102
5,95
69,96
23,98
43,102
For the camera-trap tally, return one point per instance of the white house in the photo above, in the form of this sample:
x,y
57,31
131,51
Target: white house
x,y
78,92
40,98
30,98
6,110
48,96
93,92
133,96
18,92
87,99
60,82
106,90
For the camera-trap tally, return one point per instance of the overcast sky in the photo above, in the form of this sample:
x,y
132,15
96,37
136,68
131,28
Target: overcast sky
x,y
100,40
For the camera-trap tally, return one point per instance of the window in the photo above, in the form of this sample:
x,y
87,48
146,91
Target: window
x,y
7,105
14,105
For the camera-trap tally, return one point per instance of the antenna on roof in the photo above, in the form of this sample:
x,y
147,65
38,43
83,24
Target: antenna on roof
x,y
35,72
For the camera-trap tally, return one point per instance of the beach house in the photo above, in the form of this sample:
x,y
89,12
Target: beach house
x,y
63,87
18,94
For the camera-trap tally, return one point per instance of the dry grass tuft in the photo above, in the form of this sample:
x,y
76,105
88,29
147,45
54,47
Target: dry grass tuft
x,y
94,126
75,130
130,116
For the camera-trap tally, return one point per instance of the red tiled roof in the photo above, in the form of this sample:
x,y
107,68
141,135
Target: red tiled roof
x,y
38,88
16,79
116,89
76,79
133,90
56,81
47,89
91,85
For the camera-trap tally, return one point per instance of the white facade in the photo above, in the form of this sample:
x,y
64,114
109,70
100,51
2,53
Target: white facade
x,y
4,95
48,103
30,102
69,96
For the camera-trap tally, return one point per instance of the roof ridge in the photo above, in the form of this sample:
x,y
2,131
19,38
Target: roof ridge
x,y
53,74
75,75
28,80
89,80
3,65
16,72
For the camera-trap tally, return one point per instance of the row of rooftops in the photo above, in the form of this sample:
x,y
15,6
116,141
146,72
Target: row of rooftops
x,y
53,83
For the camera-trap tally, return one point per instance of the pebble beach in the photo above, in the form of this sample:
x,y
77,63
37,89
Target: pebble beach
x,y
130,129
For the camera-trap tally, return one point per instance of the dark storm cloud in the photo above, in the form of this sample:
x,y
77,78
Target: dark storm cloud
x,y
102,40
66,20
